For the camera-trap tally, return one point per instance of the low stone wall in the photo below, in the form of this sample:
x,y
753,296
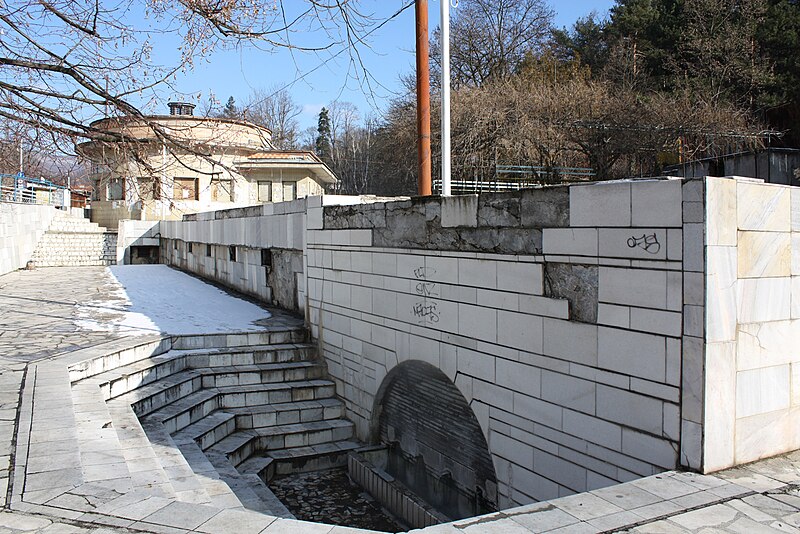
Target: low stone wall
x,y
21,228
383,488
257,250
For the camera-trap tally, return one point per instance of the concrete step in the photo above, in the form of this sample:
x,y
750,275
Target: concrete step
x,y
258,354
162,374
209,430
267,373
187,486
221,495
188,410
123,379
199,403
145,470
318,457
233,342
151,397
279,351
287,413
218,425
240,446
75,263
249,489
91,367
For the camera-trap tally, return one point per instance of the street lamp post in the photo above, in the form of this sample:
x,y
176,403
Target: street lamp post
x,y
445,97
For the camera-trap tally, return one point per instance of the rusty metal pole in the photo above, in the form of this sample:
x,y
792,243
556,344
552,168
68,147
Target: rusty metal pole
x,y
423,100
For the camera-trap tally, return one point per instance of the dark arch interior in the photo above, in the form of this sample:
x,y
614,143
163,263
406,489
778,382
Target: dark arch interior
x,y
436,446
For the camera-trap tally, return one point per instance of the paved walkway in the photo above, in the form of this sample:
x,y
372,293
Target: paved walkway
x,y
39,337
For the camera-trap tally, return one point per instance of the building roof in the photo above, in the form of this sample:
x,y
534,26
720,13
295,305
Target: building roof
x,y
294,159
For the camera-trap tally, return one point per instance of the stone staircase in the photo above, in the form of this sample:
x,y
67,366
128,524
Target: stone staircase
x,y
75,241
211,419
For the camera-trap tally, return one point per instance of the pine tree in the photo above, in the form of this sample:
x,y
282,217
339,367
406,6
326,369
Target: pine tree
x,y
230,111
323,142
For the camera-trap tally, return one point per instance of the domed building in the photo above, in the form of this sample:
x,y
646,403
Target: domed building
x,y
164,166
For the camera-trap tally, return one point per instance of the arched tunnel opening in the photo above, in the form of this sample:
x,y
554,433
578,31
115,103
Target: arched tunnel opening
x,y
435,444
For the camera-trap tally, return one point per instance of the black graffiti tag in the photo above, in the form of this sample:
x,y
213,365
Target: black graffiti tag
x,y
426,311
648,243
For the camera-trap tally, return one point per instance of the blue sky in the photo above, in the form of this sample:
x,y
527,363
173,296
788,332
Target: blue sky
x,y
315,81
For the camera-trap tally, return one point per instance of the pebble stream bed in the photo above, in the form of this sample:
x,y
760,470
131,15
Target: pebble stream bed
x,y
331,497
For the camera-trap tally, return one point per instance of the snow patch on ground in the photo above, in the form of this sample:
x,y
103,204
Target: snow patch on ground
x,y
147,299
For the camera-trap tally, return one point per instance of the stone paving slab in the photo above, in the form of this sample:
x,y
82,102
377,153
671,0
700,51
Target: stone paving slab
x,y
63,474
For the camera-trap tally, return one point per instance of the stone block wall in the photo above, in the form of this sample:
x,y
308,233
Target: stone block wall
x,y
256,250
599,332
226,247
752,349
21,228
558,313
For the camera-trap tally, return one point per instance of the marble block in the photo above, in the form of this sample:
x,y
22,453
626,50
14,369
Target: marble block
x,y
762,390
763,207
721,304
764,254
795,305
600,204
796,384
720,416
767,344
656,203
795,254
721,211
795,194
782,427
763,299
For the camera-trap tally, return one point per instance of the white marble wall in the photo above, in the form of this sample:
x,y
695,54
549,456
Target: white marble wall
x,y
752,351
565,406
21,228
135,233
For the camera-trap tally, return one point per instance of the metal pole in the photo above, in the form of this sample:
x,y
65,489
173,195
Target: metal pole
x,y
423,100
445,97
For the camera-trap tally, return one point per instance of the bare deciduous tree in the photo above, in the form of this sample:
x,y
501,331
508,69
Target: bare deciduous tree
x,y
275,109
64,63
490,38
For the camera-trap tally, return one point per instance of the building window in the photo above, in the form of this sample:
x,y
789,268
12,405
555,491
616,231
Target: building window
x,y
149,188
185,189
265,191
232,252
289,191
116,189
190,248
221,190
266,257
208,250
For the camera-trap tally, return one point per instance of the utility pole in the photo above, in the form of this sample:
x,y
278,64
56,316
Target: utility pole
x,y
423,99
445,97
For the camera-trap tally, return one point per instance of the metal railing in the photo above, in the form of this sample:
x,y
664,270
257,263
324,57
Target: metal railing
x,y
547,174
514,177
19,189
